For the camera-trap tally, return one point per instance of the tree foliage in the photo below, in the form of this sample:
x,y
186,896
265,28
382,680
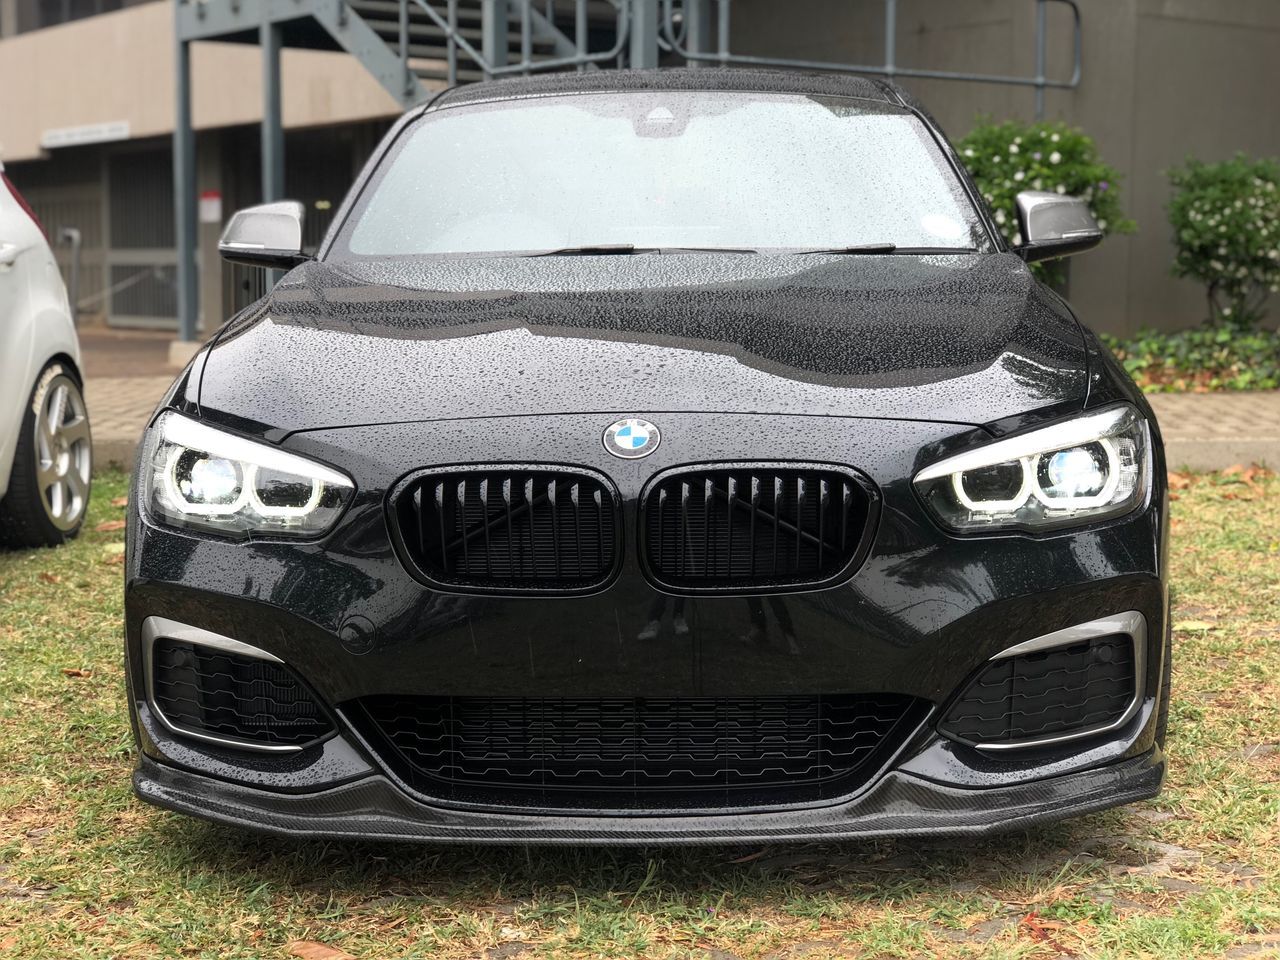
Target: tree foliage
x,y
1226,227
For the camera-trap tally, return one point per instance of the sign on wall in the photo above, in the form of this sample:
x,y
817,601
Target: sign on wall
x,y
85,133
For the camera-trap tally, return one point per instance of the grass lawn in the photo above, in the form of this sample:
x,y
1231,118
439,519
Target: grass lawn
x,y
87,871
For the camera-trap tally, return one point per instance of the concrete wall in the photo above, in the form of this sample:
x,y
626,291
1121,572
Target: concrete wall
x,y
119,66
1163,79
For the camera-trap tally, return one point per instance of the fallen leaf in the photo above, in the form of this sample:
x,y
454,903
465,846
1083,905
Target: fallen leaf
x,y
1193,625
108,525
1232,470
116,559
310,950
81,672
1252,475
120,502
48,577
1179,481
1042,930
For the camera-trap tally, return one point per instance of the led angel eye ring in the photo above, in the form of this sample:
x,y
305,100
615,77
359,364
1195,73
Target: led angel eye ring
x,y
994,506
278,512
1101,498
169,481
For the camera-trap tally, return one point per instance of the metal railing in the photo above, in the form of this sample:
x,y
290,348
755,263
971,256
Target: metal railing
x,y
671,35
535,26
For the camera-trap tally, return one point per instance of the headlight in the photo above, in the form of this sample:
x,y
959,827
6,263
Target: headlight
x,y
1090,468
199,477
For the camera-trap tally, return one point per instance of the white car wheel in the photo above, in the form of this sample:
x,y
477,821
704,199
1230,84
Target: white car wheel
x,y
52,469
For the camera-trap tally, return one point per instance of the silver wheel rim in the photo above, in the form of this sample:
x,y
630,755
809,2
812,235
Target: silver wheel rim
x,y
64,453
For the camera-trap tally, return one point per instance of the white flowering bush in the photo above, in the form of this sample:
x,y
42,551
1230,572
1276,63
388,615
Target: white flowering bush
x,y
1226,225
1007,158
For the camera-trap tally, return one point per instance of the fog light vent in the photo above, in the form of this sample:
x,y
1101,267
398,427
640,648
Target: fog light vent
x,y
1035,697
235,699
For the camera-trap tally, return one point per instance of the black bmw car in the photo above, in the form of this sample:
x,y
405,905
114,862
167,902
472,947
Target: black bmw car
x,y
654,457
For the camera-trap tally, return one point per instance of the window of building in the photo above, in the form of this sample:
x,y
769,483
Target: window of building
x,y
37,14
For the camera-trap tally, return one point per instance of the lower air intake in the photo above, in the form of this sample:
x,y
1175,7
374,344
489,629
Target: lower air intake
x,y
234,698
636,753
1071,690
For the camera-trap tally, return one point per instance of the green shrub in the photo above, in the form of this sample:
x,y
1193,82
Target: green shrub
x,y
1226,226
1201,359
1007,158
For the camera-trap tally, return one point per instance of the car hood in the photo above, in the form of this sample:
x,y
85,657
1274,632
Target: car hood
x,y
961,338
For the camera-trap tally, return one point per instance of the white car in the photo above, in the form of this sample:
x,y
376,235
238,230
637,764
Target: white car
x,y
46,453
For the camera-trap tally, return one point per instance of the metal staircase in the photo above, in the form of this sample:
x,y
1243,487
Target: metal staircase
x,y
449,42
415,46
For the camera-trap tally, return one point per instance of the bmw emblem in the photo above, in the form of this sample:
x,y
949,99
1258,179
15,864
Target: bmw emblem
x,y
632,438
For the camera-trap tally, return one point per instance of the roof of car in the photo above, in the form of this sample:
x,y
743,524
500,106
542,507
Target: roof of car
x,y
709,78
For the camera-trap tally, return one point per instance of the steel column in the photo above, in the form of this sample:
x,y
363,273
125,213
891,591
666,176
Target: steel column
x,y
272,120
1041,56
722,33
644,34
580,32
272,123
453,43
406,75
890,37
184,194
697,16
494,24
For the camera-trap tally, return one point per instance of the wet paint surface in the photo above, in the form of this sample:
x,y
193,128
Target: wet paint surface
x,y
963,339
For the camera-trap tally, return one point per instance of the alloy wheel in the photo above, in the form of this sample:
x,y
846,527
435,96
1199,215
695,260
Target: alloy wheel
x,y
64,453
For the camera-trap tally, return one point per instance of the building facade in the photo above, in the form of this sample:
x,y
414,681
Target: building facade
x,y
87,116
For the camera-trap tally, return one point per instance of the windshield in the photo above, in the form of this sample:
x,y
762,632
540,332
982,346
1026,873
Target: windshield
x,y
661,170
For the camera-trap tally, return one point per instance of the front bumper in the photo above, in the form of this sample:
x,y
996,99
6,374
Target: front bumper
x,y
900,804
923,613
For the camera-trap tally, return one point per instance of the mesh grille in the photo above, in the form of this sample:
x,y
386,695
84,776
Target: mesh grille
x,y
208,691
511,529
1073,689
753,527
649,753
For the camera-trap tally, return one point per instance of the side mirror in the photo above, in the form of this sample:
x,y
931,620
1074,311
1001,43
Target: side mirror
x,y
268,235
1054,225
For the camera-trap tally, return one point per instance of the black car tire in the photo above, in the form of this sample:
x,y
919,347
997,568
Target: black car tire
x,y
25,516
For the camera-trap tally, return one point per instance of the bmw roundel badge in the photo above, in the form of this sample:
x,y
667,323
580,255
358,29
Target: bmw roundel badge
x,y
632,438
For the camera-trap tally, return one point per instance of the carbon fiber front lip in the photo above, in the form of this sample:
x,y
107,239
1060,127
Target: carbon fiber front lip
x,y
899,805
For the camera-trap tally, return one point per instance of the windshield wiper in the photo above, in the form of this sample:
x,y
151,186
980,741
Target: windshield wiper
x,y
871,248
859,248
708,250
593,250
619,249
